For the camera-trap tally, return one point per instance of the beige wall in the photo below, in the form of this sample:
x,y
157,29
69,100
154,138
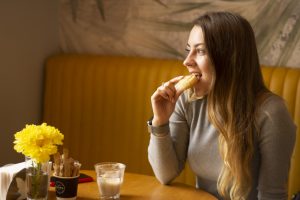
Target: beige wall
x,y
150,29
28,34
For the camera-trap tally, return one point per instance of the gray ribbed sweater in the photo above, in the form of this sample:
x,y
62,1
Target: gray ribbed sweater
x,y
194,139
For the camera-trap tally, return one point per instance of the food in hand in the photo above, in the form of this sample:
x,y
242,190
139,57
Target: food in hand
x,y
186,83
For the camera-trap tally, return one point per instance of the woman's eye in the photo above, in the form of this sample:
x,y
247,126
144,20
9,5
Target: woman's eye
x,y
201,51
187,51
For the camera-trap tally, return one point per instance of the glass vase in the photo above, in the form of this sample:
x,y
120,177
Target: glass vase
x,y
37,179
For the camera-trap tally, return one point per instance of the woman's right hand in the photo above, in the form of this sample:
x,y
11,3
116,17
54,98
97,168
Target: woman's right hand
x,y
163,101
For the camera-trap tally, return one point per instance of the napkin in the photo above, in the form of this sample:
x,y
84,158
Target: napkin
x,y
7,175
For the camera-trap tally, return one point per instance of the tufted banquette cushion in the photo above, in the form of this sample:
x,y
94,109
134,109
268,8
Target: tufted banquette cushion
x,y
101,105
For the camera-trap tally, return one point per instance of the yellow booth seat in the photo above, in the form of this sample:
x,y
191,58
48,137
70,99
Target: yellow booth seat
x,y
101,105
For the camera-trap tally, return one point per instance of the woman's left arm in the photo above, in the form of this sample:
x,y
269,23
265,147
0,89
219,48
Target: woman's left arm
x,y
276,144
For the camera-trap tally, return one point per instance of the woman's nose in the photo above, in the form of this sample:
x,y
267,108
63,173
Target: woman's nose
x,y
189,61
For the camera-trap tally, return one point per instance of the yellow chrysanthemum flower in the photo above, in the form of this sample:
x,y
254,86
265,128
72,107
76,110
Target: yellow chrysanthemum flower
x,y
38,142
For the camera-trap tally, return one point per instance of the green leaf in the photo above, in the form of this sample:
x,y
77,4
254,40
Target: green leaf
x,y
161,3
101,8
74,7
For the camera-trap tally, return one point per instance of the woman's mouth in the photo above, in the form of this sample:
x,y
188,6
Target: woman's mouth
x,y
198,75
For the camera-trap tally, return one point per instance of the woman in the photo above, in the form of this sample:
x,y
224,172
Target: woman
x,y
237,136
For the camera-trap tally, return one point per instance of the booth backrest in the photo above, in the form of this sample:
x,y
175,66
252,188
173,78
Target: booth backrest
x,y
101,105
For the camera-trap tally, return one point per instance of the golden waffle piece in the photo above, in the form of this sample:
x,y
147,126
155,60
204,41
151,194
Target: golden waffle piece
x,y
186,83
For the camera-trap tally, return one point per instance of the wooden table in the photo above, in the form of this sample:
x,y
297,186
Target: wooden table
x,y
141,187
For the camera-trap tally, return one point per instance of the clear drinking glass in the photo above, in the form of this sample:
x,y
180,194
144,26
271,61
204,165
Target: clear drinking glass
x,y
109,179
37,179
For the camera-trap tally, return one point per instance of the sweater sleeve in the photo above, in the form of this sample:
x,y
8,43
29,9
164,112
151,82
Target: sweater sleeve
x,y
167,153
276,144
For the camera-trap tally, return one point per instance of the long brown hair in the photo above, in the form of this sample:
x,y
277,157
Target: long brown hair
x,y
232,101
